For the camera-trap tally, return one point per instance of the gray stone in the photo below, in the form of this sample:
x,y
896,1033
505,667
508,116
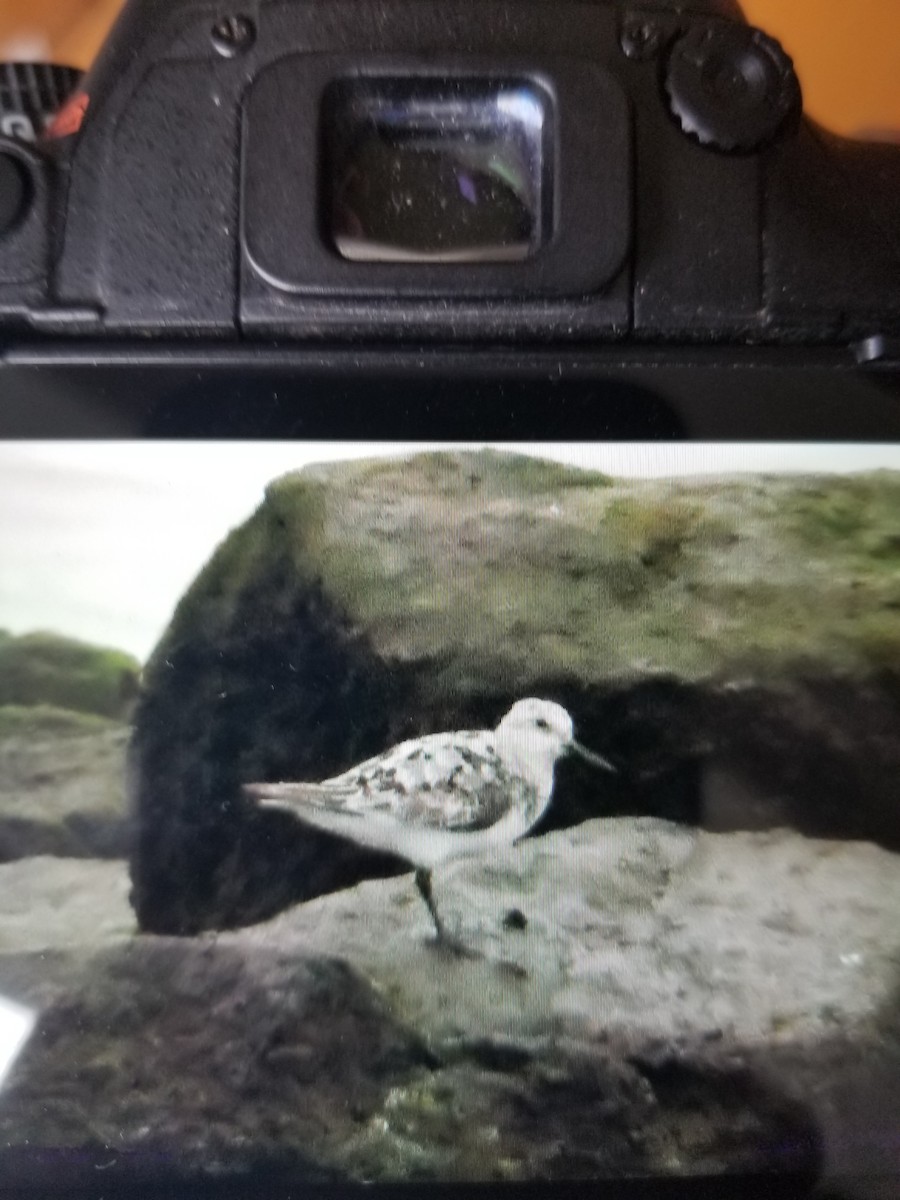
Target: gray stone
x,y
62,787
753,936
51,903
667,1002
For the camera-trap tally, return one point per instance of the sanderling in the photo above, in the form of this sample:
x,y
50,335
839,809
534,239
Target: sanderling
x,y
443,796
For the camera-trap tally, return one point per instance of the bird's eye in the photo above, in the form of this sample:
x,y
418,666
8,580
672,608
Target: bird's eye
x,y
540,723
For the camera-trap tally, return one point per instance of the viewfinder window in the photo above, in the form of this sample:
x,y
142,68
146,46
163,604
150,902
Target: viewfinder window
x,y
437,170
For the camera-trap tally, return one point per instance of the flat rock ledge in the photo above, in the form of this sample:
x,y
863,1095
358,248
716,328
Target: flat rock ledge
x,y
641,999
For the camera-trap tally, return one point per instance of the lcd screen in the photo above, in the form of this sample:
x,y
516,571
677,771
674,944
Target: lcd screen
x,y
305,878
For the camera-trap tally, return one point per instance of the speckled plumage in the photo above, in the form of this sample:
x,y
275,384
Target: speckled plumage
x,y
443,796
452,781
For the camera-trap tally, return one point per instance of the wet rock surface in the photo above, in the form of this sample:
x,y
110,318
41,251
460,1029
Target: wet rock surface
x,y
666,1001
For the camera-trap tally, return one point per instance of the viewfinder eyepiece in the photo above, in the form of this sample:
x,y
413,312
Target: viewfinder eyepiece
x,y
437,170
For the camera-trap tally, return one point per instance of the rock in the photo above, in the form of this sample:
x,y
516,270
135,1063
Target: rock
x,y
733,645
753,935
49,669
677,1002
50,904
62,785
176,1058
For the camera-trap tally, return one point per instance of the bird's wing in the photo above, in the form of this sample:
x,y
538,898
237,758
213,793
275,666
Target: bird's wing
x,y
447,781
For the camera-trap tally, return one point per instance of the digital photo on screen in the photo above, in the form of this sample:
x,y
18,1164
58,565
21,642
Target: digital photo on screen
x,y
418,814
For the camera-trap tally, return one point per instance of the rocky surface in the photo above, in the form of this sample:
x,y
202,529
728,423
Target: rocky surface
x,y
50,904
733,645
639,998
62,785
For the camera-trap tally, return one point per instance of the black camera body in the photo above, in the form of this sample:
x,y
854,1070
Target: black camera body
x,y
657,183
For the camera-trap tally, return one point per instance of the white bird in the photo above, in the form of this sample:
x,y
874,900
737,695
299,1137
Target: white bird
x,y
444,796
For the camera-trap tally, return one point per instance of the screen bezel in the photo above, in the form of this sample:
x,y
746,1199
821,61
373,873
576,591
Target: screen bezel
x,y
446,394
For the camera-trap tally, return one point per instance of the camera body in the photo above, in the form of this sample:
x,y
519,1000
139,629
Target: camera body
x,y
666,187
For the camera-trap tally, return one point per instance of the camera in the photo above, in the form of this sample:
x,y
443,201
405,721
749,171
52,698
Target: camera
x,y
447,447
620,173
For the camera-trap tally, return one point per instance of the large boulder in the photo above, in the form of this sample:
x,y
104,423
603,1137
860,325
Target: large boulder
x,y
732,644
665,1002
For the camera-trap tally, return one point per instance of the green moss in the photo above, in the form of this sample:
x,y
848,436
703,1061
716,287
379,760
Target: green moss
x,y
658,530
885,547
835,515
43,721
641,519
44,668
380,537
877,638
502,567
433,1128
299,501
663,576
859,514
210,603
531,475
494,471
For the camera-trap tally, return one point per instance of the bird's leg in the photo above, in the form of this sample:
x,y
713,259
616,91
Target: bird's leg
x,y
423,883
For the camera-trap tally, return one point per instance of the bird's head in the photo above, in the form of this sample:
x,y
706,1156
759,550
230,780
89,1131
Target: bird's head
x,y
533,735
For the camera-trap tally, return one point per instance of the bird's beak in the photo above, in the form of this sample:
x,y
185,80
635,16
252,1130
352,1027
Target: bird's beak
x,y
596,760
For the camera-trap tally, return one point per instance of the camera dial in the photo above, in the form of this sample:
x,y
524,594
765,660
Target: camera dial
x,y
731,87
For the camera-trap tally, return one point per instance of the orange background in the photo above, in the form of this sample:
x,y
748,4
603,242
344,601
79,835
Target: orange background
x,y
847,51
847,54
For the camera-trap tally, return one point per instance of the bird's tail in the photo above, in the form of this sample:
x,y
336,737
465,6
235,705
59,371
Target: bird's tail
x,y
304,799
321,807
295,796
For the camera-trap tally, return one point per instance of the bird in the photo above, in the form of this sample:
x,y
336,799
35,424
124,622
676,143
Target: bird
x,y
443,796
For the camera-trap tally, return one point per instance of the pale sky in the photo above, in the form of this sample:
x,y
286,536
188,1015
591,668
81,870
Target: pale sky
x,y
99,540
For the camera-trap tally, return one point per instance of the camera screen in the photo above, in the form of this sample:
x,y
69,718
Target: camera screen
x,y
449,813
437,171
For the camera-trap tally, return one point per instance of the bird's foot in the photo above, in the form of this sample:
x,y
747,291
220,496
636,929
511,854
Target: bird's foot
x,y
443,939
454,945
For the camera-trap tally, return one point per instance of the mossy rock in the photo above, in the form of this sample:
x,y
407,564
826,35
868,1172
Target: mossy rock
x,y
47,669
676,1005
370,601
